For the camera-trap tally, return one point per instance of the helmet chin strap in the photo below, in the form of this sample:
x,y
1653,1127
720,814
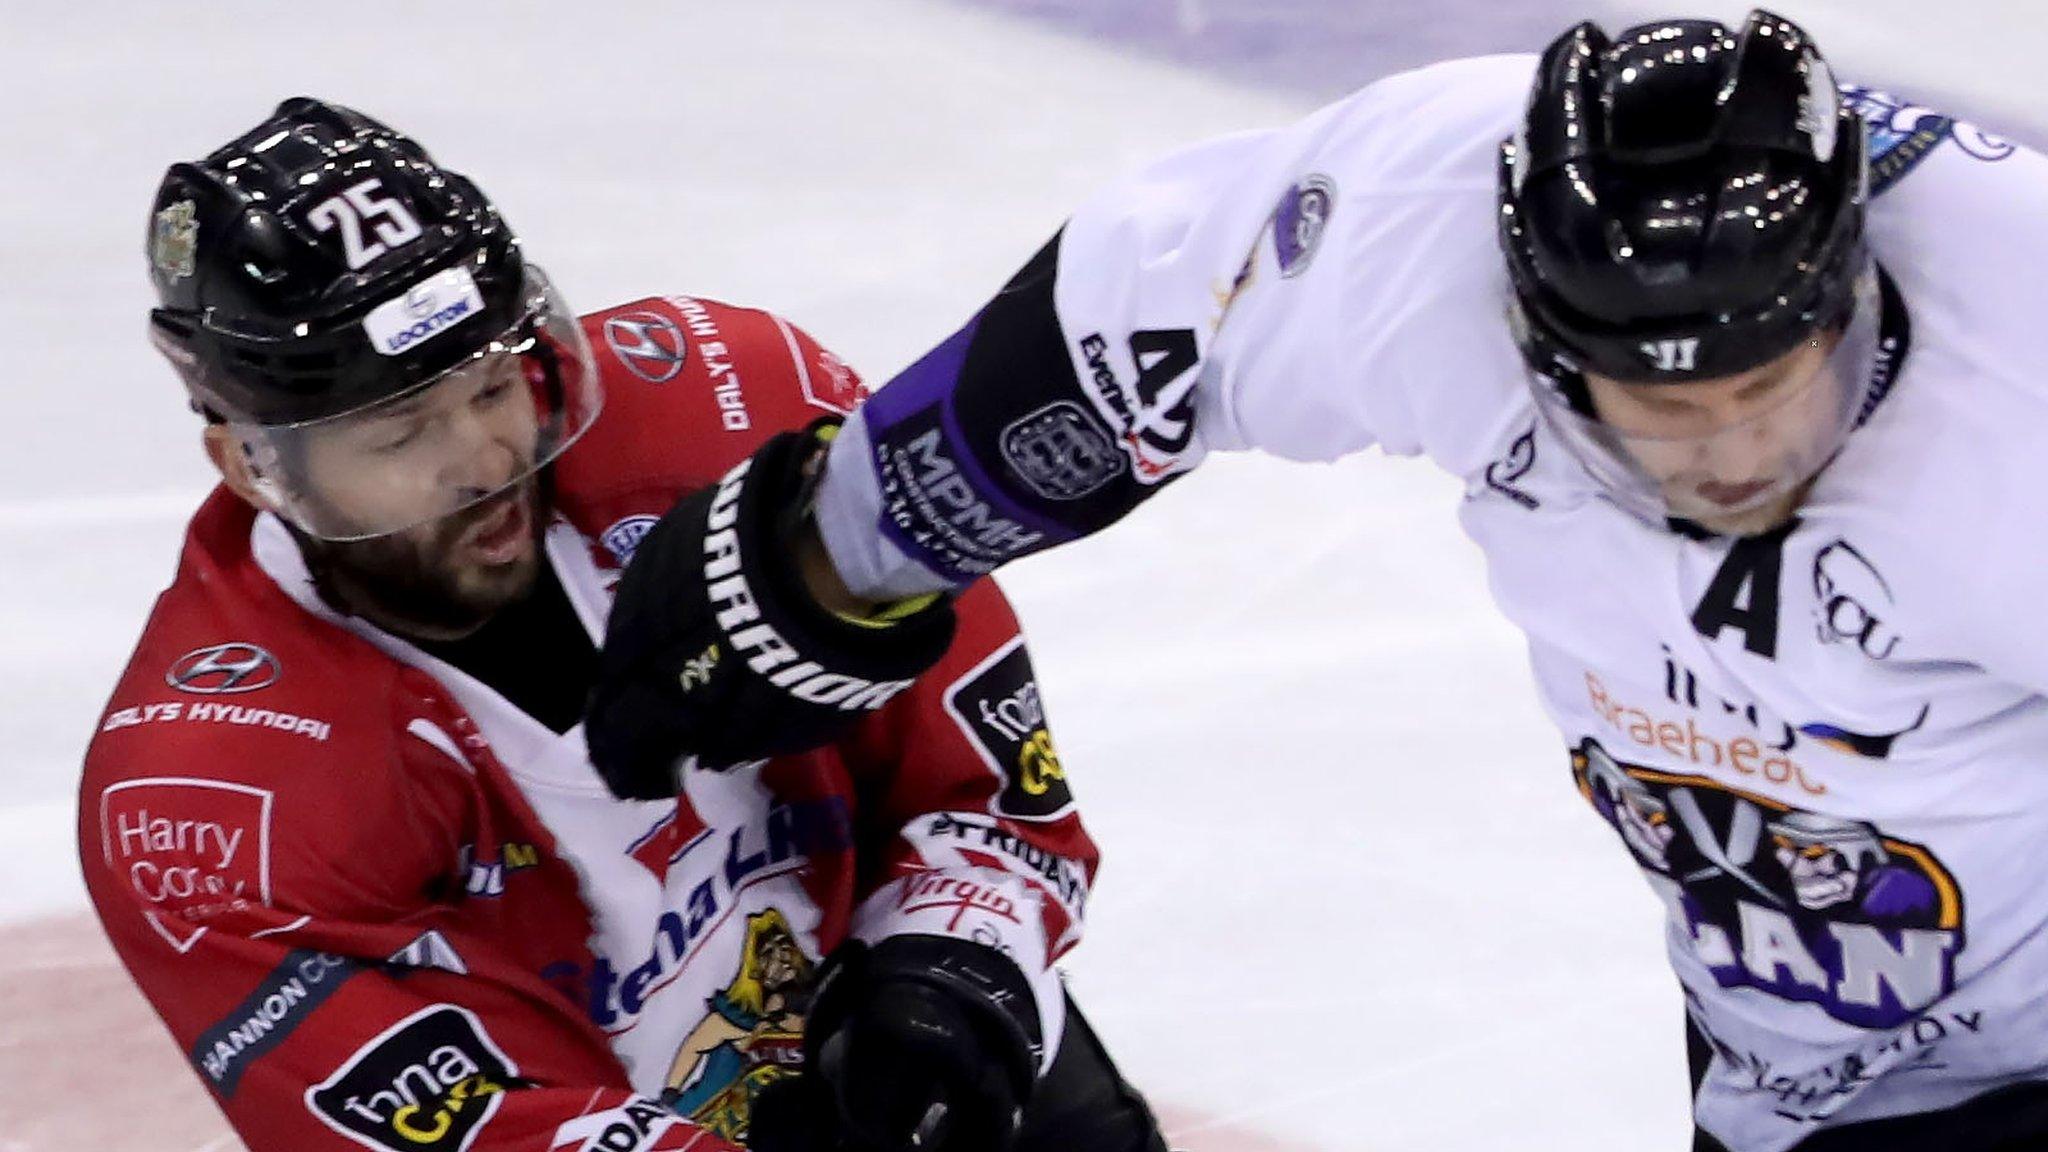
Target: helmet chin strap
x,y
1550,362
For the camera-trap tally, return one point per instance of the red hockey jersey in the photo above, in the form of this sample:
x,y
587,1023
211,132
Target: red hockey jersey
x,y
380,907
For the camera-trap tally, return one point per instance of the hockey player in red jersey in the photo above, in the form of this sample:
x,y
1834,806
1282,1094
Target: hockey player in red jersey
x,y
340,821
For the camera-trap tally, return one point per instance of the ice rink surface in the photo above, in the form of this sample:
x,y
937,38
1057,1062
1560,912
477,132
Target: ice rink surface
x,y
1351,901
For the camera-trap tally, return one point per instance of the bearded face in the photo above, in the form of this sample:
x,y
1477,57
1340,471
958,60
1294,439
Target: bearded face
x,y
444,579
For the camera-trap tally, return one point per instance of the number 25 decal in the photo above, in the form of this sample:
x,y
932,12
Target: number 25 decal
x,y
390,220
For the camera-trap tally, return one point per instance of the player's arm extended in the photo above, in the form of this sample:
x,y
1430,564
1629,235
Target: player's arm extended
x,y
1298,291
973,883
326,994
1110,364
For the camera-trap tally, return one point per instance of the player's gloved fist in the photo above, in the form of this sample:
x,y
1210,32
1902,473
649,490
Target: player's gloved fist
x,y
715,649
918,1044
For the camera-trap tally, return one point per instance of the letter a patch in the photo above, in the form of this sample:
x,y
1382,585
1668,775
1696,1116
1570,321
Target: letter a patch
x,y
1744,594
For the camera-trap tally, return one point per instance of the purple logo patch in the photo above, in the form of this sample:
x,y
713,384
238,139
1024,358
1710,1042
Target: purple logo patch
x,y
1803,906
1299,220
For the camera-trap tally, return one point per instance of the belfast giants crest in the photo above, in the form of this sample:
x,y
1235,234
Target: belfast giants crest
x,y
1800,905
1902,135
623,538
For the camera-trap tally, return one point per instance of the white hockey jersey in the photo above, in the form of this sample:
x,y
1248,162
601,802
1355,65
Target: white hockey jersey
x,y
1827,748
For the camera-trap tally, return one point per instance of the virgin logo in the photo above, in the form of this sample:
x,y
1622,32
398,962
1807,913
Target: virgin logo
x,y
933,890
224,668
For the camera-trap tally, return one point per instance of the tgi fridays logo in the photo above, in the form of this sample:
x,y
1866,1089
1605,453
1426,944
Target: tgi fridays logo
x,y
996,703
974,837
426,1084
190,849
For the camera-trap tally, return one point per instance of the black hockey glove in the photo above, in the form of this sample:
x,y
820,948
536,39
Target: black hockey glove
x,y
918,1044
716,649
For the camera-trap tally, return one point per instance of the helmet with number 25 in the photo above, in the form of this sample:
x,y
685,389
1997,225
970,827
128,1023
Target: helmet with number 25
x,y
363,322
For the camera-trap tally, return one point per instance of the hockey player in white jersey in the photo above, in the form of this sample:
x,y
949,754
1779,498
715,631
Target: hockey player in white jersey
x,y
1742,372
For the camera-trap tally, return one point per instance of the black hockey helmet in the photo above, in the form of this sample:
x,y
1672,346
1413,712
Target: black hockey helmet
x,y
268,254
320,274
1682,202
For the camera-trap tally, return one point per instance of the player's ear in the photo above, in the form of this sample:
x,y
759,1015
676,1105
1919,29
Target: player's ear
x,y
230,457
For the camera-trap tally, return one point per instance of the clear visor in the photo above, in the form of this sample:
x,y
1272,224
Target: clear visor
x,y
478,429
1721,453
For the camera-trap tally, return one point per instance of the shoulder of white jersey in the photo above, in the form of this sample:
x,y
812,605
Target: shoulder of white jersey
x,y
1959,217
1907,138
1945,467
1443,123
1378,265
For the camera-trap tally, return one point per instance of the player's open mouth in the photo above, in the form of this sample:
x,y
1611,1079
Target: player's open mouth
x,y
501,536
1730,495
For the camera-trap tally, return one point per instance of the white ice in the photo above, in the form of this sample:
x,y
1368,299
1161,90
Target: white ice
x,y
1350,899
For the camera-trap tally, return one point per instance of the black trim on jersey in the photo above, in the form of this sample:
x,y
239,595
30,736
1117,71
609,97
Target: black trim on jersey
x,y
1018,366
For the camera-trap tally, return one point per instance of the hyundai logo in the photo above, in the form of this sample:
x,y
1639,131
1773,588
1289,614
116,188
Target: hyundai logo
x,y
648,344
224,668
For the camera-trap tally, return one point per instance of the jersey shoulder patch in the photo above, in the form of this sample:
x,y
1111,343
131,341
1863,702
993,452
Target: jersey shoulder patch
x,y
1903,135
692,386
246,738
231,677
